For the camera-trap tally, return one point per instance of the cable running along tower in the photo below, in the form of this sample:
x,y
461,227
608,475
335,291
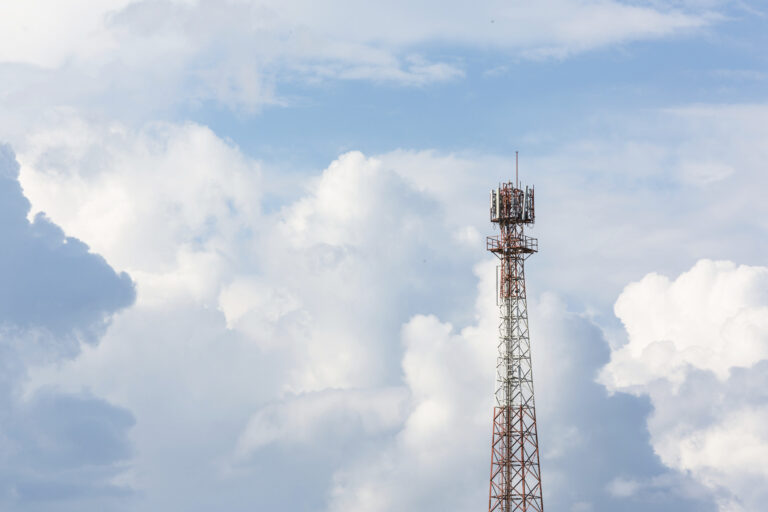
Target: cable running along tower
x,y
515,472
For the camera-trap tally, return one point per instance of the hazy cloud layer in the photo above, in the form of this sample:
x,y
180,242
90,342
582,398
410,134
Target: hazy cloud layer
x,y
238,53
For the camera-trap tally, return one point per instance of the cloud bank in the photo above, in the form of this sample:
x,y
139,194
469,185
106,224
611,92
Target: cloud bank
x,y
304,347
324,326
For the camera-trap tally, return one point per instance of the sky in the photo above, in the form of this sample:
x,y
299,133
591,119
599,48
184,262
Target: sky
x,y
243,267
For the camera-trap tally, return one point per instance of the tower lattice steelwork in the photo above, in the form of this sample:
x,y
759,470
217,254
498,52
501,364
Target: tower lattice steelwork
x,y
515,471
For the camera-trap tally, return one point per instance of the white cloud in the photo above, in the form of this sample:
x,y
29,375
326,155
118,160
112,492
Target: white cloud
x,y
696,346
179,209
152,201
713,317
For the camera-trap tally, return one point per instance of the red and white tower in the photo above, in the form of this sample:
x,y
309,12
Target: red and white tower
x,y
515,471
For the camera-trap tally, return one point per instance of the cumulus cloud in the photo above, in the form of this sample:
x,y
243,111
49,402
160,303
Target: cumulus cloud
x,y
437,442
440,454
308,307
249,309
43,271
265,348
302,301
177,189
58,448
307,301
713,317
697,347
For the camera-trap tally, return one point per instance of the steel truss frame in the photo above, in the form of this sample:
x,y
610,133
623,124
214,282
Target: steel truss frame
x,y
515,482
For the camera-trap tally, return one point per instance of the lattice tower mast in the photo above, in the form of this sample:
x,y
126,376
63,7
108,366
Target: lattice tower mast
x,y
515,471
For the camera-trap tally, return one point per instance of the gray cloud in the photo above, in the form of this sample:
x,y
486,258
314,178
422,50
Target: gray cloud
x,y
51,281
55,294
589,438
60,447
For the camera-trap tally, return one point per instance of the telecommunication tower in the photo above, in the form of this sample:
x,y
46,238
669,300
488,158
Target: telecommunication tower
x,y
515,470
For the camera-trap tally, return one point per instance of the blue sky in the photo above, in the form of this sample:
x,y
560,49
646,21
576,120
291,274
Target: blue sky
x,y
502,99
244,263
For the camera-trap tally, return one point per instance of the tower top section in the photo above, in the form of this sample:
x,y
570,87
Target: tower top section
x,y
512,205
512,208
